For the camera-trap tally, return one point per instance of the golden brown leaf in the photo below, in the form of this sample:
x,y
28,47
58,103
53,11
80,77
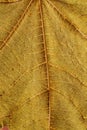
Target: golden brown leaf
x,y
43,64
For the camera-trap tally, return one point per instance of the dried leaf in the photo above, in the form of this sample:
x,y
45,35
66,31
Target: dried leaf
x,y
8,1
43,64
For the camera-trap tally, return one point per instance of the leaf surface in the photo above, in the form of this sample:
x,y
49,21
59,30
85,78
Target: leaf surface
x,y
43,64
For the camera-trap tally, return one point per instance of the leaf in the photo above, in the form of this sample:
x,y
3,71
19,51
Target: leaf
x,y
8,1
43,73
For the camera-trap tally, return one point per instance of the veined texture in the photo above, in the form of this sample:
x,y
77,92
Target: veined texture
x,y
43,64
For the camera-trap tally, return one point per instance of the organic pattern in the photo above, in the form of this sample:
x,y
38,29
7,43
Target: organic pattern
x,y
43,64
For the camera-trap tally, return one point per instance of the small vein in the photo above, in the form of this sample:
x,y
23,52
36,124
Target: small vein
x,y
68,98
71,74
19,105
33,97
65,19
16,26
23,74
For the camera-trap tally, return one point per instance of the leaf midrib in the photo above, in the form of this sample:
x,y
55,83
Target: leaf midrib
x,y
46,59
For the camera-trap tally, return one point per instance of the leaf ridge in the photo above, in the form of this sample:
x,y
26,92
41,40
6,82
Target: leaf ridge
x,y
46,58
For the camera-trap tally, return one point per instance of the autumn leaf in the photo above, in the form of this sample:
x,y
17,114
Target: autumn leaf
x,y
43,64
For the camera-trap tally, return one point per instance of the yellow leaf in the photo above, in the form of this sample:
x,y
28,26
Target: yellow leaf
x,y
43,64
8,1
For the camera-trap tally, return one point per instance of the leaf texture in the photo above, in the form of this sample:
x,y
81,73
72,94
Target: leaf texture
x,y
43,64
8,1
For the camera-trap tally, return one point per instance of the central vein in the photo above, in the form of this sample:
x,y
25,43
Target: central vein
x,y
46,56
